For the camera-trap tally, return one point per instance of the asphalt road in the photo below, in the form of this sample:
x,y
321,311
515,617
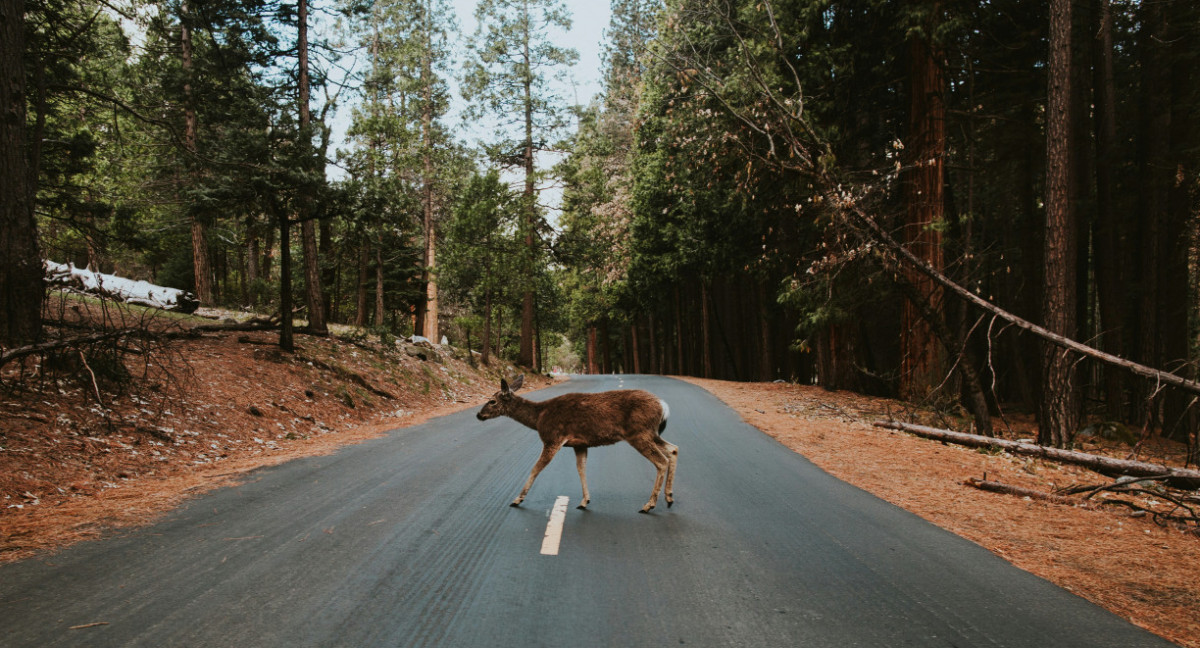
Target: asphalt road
x,y
409,541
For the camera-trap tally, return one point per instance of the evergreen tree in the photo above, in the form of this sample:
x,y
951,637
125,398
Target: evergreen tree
x,y
510,76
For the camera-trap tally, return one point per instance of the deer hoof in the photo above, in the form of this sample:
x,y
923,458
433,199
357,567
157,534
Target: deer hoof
x,y
515,504
646,509
582,506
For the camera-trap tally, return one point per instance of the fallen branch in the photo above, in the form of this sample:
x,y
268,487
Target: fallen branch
x,y
1186,520
256,324
1178,477
1019,491
73,342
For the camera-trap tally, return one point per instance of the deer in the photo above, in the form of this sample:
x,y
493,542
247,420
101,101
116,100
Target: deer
x,y
581,421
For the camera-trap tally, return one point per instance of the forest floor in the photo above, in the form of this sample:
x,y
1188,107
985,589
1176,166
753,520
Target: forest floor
x,y
74,467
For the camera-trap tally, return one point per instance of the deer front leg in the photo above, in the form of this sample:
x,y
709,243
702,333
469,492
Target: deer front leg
x,y
581,464
548,453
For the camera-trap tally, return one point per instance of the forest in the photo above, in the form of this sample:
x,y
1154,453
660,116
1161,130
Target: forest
x,y
986,206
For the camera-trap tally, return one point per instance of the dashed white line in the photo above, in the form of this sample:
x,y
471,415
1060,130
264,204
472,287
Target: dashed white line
x,y
554,527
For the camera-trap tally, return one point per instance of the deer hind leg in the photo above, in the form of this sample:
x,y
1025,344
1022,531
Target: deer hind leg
x,y
651,451
548,453
671,451
581,464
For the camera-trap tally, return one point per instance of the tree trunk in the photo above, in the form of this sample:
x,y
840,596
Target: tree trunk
x,y
330,272
592,351
361,287
529,207
313,296
431,287
606,352
1109,253
286,338
766,357
635,347
250,296
1176,234
705,336
201,269
21,274
485,354
268,252
921,360
379,285
1059,408
1155,104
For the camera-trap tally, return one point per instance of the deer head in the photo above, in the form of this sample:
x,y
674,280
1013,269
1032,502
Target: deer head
x,y
501,402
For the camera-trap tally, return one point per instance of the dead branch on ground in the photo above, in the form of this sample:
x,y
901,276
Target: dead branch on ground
x,y
1179,477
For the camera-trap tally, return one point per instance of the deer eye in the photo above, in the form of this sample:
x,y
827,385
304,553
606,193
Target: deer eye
x,y
492,402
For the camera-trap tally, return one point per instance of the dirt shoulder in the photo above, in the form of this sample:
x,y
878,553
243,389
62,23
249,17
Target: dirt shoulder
x,y
1131,566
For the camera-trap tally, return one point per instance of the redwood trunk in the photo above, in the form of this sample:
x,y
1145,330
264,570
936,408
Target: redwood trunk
x,y
921,357
1059,410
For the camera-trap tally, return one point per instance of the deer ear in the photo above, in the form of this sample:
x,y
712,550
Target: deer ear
x,y
504,386
517,382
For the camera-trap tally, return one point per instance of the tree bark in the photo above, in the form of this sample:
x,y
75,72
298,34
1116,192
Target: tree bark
x,y
592,351
705,336
361,287
921,364
379,285
485,354
1155,102
1106,234
1174,306
21,288
1059,414
431,287
287,340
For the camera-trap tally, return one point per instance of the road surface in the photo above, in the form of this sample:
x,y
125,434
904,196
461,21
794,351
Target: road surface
x,y
408,540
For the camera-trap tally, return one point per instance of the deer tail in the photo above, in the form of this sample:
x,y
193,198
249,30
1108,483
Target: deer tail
x,y
666,411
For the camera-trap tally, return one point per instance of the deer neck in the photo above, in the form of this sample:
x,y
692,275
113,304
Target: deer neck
x,y
525,412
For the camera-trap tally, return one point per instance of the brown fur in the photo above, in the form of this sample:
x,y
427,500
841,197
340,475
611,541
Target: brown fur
x,y
583,421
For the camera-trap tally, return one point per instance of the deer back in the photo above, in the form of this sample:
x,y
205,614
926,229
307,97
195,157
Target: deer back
x,y
599,419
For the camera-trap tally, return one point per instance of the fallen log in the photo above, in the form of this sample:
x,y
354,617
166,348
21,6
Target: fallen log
x,y
1019,491
1177,477
142,293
